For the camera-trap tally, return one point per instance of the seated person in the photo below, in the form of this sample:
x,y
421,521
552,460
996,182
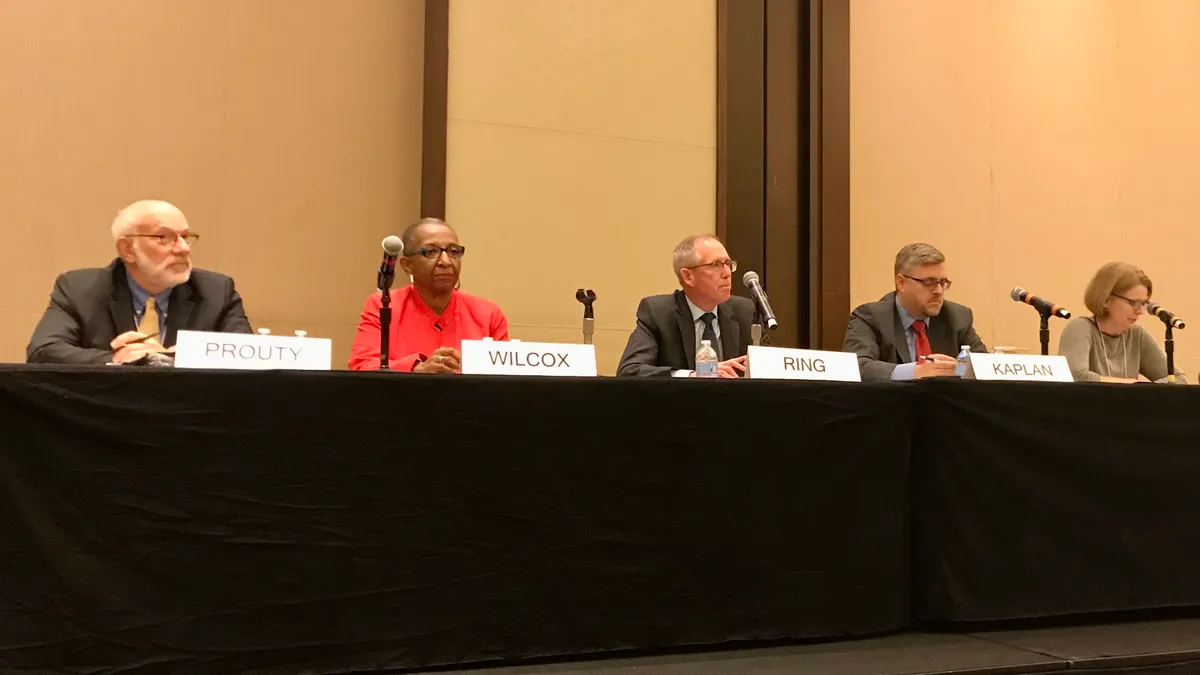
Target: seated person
x,y
912,332
1110,346
138,303
430,316
670,327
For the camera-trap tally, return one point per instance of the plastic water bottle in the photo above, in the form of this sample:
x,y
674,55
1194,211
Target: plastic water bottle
x,y
964,358
706,360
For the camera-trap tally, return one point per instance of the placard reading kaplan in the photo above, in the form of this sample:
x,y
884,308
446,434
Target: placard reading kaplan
x,y
488,357
241,351
1019,367
802,364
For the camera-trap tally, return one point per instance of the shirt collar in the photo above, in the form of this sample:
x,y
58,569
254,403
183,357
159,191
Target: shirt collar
x,y
447,316
906,319
140,295
696,311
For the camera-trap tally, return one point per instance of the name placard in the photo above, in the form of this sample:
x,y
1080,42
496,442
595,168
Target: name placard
x,y
1019,367
240,351
778,363
488,357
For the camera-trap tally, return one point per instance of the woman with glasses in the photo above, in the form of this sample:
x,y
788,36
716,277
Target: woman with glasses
x,y
1110,346
430,316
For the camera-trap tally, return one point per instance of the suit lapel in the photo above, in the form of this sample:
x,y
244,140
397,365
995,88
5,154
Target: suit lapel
x,y
941,338
687,329
730,346
179,312
121,306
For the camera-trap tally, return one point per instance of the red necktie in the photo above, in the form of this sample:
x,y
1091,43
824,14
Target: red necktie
x,y
923,348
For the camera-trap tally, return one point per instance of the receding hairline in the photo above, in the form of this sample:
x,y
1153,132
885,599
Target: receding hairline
x,y
131,215
685,253
913,256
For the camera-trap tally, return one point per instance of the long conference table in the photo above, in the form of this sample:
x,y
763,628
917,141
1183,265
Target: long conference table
x,y
162,521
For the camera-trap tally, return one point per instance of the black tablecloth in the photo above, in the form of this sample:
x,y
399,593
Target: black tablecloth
x,y
187,522
1033,499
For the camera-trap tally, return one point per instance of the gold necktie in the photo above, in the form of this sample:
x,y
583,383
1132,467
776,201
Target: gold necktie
x,y
149,323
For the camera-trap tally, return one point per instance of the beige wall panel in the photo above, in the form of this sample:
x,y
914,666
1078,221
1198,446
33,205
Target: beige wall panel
x,y
288,131
627,68
919,143
575,211
1056,177
581,149
102,105
1088,138
1160,103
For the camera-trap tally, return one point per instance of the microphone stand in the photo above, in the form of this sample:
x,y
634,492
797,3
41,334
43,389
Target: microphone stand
x,y
756,327
1170,355
589,316
386,275
1044,332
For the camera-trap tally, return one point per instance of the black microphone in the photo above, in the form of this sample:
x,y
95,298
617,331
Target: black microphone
x,y
1166,316
392,246
1045,306
750,279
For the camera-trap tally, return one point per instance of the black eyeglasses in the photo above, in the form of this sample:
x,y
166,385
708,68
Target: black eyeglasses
x,y
168,239
1137,304
433,252
716,265
931,283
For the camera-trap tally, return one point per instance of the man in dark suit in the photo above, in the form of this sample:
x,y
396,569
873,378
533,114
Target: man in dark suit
x,y
670,327
912,332
137,304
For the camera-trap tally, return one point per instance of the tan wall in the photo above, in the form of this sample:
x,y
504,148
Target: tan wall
x,y
1033,141
288,131
581,149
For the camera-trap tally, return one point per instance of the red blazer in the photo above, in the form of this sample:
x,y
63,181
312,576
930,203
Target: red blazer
x,y
416,331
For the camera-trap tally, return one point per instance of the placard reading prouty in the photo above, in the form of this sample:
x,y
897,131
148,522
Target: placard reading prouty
x,y
247,351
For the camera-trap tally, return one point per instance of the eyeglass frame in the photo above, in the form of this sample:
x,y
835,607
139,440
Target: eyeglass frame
x,y
1136,304
715,265
168,239
930,283
423,251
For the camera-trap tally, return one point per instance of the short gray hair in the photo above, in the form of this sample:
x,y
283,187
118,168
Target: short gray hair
x,y
685,254
133,214
915,255
410,232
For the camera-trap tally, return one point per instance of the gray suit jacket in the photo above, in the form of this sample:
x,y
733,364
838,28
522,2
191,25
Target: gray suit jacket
x,y
88,308
665,336
876,335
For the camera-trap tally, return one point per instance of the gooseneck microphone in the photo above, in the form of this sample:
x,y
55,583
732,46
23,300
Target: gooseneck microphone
x,y
392,247
1166,316
1044,306
750,279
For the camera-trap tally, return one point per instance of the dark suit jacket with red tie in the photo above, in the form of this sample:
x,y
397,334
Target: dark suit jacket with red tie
x,y
876,335
88,308
664,338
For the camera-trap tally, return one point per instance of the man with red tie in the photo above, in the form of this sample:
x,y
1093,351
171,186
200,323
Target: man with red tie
x,y
912,332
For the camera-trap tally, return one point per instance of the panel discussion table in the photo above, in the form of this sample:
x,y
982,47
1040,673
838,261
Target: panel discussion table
x,y
165,521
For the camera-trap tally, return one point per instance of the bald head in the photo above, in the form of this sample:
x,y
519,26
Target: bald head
x,y
149,212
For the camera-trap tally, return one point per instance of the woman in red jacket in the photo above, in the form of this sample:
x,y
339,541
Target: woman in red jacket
x,y
430,317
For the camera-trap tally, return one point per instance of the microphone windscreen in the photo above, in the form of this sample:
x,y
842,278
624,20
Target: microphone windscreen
x,y
1017,293
749,277
392,245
